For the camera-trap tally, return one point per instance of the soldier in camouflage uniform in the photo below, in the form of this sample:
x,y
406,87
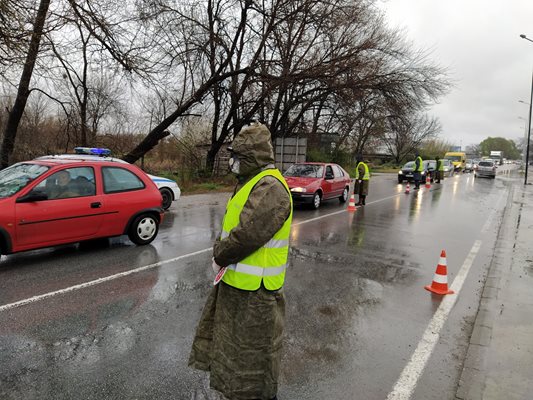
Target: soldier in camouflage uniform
x,y
239,336
362,180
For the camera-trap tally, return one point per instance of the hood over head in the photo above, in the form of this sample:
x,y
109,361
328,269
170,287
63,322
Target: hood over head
x,y
253,145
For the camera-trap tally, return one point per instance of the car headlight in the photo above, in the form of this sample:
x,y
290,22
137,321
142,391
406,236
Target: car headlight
x,y
400,172
423,172
299,190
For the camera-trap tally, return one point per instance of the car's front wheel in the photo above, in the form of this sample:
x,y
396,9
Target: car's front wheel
x,y
316,200
344,196
166,193
144,229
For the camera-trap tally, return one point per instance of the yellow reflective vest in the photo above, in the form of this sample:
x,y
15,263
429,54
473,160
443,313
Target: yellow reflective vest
x,y
268,263
366,176
420,166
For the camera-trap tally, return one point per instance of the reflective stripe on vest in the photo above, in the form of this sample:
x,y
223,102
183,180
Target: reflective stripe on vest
x,y
366,176
268,263
257,271
420,166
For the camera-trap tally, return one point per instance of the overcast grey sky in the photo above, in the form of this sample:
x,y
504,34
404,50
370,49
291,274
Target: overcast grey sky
x,y
478,41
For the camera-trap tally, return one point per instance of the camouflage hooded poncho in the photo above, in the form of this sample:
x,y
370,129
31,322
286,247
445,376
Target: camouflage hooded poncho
x,y
238,339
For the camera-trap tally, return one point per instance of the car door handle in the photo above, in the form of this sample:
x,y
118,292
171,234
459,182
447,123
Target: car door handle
x,y
96,204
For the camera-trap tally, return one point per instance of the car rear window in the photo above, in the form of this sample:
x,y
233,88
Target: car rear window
x,y
486,164
120,180
337,171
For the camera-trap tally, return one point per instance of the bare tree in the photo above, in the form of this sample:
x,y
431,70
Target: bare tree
x,y
23,92
198,79
14,33
406,135
89,90
99,18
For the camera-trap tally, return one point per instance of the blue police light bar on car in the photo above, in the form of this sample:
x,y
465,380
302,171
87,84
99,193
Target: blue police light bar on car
x,y
95,151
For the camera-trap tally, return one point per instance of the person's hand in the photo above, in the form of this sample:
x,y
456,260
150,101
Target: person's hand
x,y
360,181
215,266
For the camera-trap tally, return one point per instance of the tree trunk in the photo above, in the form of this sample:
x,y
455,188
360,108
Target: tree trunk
x,y
15,115
160,132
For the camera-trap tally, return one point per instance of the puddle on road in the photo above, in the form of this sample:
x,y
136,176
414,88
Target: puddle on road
x,y
328,295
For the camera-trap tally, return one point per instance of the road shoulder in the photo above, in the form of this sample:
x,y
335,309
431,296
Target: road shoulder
x,y
499,361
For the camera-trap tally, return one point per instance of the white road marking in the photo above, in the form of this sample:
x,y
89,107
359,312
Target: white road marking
x,y
344,210
43,296
406,384
97,281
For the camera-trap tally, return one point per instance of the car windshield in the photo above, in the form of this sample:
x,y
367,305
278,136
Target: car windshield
x,y
446,163
16,177
409,165
305,170
486,164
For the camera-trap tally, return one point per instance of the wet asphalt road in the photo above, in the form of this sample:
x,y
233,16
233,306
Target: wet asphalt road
x,y
356,307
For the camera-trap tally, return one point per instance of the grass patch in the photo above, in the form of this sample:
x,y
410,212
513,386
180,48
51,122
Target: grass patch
x,y
206,187
385,168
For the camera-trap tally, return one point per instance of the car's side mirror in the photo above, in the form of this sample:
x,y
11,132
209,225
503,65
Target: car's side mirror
x,y
329,176
34,195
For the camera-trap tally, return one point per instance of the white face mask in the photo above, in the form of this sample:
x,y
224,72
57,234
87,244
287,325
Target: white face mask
x,y
234,164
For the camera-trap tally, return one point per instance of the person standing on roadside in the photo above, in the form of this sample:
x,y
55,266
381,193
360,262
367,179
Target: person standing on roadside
x,y
239,335
417,173
362,180
439,170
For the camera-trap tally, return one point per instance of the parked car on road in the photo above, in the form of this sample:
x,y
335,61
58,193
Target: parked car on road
x,y
469,166
168,188
448,167
486,168
312,183
407,171
57,201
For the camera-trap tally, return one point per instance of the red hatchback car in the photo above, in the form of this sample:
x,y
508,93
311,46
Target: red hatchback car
x,y
51,202
312,183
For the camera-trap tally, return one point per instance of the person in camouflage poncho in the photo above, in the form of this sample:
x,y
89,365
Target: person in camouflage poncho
x,y
361,181
239,335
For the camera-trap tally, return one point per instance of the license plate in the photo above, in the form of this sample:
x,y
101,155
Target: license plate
x,y
409,175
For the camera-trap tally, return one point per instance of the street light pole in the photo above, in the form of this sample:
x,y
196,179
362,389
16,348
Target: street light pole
x,y
525,133
525,37
529,122
529,129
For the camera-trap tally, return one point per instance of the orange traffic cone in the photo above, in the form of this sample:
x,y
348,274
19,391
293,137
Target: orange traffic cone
x,y
440,280
407,188
428,182
351,204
